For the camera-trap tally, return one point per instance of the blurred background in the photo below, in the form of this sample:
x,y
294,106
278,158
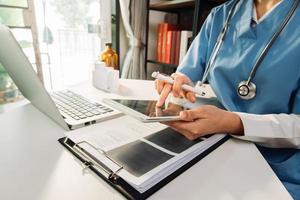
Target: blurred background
x,y
61,38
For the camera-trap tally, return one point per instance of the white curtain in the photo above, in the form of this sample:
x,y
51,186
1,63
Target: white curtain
x,y
133,14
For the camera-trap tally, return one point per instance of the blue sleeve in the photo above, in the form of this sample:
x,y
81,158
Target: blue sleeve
x,y
194,62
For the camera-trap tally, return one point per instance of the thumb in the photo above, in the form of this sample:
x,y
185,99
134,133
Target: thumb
x,y
190,115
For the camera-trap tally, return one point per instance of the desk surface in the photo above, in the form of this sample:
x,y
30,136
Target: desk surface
x,y
34,166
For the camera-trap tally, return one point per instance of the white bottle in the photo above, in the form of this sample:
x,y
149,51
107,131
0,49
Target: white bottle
x,y
105,78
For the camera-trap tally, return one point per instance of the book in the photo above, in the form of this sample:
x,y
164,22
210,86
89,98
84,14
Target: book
x,y
184,43
177,47
173,47
169,45
159,43
165,28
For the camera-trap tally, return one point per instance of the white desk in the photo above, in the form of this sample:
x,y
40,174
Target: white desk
x,y
34,166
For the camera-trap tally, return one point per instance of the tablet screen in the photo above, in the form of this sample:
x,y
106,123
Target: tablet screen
x,y
150,109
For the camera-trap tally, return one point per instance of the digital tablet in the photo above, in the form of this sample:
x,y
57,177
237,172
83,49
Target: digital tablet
x,y
147,111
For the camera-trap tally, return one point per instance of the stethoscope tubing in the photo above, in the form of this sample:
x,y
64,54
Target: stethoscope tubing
x,y
218,44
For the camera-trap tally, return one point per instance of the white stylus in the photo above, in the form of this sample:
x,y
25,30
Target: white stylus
x,y
197,89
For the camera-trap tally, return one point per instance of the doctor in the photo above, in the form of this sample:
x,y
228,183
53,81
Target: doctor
x,y
254,69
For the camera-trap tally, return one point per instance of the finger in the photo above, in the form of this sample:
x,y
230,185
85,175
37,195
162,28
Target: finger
x,y
191,115
186,133
158,112
184,116
178,124
183,94
198,127
164,94
167,123
191,96
191,130
172,123
178,82
159,85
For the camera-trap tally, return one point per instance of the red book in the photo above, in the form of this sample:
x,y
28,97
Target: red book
x,y
168,49
165,28
159,42
177,47
173,47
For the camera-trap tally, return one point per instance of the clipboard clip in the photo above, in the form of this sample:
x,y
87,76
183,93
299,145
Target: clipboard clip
x,y
88,161
85,166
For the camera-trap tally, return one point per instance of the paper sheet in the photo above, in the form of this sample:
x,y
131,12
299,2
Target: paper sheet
x,y
113,133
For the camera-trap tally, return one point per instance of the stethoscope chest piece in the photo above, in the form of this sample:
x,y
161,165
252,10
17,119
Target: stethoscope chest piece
x,y
246,90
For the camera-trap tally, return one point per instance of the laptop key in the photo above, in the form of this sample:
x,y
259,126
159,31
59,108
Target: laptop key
x,y
89,114
95,112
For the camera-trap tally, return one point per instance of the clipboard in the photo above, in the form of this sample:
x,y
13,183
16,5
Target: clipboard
x,y
112,178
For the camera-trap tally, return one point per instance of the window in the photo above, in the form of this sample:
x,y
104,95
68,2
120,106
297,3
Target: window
x,y
72,35
20,17
14,3
62,38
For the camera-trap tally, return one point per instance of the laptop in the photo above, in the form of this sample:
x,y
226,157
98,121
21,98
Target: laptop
x,y
68,109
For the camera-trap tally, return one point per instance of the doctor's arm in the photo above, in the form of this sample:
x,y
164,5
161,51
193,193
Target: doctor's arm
x,y
273,130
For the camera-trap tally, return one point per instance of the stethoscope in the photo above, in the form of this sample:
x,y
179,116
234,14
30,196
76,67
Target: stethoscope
x,y
246,89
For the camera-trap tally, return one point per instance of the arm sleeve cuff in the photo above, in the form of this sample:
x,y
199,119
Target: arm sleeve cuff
x,y
270,126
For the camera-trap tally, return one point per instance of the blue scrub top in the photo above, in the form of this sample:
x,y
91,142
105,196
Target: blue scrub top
x,y
277,78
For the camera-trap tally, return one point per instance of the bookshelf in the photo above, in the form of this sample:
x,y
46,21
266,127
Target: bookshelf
x,y
195,10
174,5
162,64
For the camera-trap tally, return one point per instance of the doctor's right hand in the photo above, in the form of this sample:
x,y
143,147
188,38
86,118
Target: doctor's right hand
x,y
164,89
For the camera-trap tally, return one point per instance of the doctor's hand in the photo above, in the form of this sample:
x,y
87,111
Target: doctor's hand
x,y
207,120
164,89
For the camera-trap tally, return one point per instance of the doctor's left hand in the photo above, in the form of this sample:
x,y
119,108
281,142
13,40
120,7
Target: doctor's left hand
x,y
207,120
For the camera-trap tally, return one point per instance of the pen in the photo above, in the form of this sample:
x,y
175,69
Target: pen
x,y
197,89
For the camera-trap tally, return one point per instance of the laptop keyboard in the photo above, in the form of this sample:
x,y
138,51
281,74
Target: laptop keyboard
x,y
77,106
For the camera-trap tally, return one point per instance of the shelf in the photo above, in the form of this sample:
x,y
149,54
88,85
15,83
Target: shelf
x,y
188,12
173,6
162,64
